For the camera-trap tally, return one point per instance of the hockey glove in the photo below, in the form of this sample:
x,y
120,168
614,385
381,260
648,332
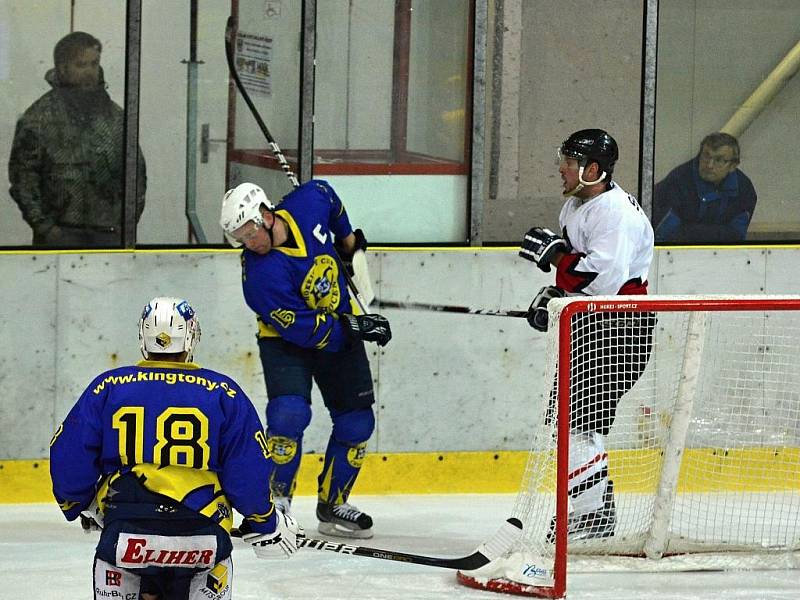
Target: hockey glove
x,y
281,543
370,328
355,263
347,257
92,518
539,246
537,313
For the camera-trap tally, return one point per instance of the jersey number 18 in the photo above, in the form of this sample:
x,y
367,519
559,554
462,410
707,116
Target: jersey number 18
x,y
181,437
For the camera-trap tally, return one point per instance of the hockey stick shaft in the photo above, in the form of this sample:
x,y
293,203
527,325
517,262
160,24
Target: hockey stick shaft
x,y
501,543
448,308
230,35
465,562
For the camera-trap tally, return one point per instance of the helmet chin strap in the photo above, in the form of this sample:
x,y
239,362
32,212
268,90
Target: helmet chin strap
x,y
583,183
269,230
261,223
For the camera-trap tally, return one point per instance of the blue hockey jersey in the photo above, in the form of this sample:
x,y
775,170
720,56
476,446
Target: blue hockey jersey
x,y
187,433
298,289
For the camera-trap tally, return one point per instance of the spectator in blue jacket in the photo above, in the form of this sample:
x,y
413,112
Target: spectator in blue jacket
x,y
707,199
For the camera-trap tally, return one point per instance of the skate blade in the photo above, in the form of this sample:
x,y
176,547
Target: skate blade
x,y
337,531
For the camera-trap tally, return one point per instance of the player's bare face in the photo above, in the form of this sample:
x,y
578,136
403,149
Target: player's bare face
x,y
715,165
568,169
254,237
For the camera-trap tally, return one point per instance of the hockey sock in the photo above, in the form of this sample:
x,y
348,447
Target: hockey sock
x,y
342,465
345,454
285,454
287,418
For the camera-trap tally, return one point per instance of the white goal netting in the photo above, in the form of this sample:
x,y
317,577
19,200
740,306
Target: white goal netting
x,y
704,449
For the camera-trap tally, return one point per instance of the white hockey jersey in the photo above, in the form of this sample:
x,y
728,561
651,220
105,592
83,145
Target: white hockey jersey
x,y
612,245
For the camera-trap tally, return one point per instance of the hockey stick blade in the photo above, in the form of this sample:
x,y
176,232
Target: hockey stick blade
x,y
499,544
448,308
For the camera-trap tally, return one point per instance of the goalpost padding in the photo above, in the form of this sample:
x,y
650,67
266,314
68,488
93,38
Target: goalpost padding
x,y
704,451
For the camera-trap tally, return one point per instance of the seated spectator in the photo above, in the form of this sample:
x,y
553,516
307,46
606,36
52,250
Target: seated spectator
x,y
707,199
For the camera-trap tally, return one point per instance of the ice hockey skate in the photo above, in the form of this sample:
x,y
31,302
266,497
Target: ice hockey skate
x,y
343,520
596,524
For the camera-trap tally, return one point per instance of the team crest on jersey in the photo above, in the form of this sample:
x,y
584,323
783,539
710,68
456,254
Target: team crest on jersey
x,y
163,340
283,316
320,288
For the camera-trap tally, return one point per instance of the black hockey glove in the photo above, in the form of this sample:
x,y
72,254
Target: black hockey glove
x,y
347,257
370,328
539,245
91,518
537,313
89,524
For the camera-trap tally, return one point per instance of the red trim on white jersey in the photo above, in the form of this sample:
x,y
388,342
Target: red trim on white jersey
x,y
612,245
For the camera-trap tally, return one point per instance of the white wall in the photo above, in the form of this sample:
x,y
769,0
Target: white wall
x,y
445,382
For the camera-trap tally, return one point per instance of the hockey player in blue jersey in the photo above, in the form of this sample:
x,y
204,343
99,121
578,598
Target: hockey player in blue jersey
x,y
308,328
157,455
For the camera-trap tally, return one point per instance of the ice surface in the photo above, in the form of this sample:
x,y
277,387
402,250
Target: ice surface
x,y
44,557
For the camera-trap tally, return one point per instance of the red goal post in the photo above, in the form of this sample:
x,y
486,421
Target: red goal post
x,y
704,449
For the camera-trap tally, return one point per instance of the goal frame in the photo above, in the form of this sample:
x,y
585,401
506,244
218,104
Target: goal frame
x,y
561,313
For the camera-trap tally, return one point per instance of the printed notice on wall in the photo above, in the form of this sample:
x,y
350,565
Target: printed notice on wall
x,y
253,62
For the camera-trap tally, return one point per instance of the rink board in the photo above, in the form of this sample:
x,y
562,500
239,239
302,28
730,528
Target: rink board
x,y
703,470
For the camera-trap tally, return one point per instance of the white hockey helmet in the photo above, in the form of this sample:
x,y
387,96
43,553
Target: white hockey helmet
x,y
240,205
167,326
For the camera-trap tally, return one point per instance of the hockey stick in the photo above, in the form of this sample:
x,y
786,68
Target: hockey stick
x,y
449,308
497,546
230,34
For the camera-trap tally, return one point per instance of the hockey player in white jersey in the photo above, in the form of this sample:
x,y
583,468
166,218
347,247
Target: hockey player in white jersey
x,y
605,247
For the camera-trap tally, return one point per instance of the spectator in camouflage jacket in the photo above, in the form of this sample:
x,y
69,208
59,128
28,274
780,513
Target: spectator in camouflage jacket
x,y
67,161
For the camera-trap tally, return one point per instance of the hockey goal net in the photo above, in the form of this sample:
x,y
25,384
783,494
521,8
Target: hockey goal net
x,y
703,452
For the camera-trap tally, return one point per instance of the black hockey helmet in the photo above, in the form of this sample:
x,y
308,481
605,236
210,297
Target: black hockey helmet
x,y
589,145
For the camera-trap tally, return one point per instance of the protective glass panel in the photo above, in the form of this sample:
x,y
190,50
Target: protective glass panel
x,y
538,97
63,91
267,51
388,113
183,115
729,72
